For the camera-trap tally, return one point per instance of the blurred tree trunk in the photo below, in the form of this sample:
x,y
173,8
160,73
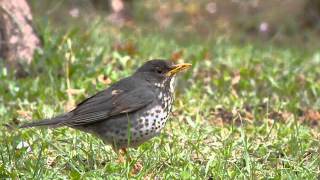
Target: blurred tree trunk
x,y
18,39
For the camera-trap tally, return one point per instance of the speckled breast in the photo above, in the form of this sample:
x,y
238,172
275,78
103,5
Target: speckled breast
x,y
139,126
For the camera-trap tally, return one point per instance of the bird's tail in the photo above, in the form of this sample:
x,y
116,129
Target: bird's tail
x,y
52,122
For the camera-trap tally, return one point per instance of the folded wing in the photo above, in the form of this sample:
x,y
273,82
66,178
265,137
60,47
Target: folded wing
x,y
107,104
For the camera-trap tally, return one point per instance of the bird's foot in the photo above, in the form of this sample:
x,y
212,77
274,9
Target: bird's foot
x,y
123,158
122,153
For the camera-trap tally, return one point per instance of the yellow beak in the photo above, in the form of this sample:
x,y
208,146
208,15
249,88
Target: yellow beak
x,y
178,68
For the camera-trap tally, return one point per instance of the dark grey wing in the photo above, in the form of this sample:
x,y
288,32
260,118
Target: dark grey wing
x,y
132,101
104,106
104,97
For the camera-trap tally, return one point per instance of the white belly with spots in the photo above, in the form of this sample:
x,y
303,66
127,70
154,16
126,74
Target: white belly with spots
x,y
155,119
143,126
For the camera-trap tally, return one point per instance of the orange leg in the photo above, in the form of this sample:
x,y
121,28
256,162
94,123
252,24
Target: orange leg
x,y
122,153
123,156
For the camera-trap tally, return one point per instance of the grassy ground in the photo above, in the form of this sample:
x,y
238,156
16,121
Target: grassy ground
x,y
242,111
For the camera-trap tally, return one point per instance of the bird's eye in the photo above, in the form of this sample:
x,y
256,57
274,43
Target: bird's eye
x,y
159,71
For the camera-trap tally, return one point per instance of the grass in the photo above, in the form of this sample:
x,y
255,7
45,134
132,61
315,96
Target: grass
x,y
241,112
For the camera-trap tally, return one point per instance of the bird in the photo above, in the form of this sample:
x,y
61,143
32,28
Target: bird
x,y
130,111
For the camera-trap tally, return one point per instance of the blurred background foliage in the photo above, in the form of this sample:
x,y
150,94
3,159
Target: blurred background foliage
x,y
281,22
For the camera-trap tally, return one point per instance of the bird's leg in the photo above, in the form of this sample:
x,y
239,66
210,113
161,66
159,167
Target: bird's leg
x,y
122,153
123,156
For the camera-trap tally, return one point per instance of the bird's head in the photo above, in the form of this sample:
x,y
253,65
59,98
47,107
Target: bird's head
x,y
160,72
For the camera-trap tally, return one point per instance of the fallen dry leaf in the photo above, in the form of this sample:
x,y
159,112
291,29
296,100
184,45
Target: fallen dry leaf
x,y
125,47
175,56
25,114
236,78
311,117
221,116
137,167
104,79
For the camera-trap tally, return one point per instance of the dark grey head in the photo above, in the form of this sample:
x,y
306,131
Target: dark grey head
x,y
160,71
156,67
